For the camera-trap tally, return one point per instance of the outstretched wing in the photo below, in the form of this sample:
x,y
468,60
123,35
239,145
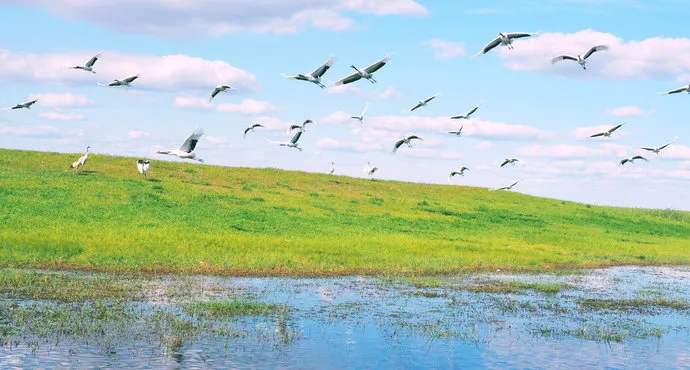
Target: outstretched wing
x,y
191,141
649,149
513,184
519,35
416,106
454,173
257,125
365,110
505,162
413,137
639,157
397,145
323,68
349,79
597,135
594,50
93,60
130,79
468,114
215,92
247,130
673,91
296,137
140,166
430,98
562,57
492,44
616,127
292,127
376,66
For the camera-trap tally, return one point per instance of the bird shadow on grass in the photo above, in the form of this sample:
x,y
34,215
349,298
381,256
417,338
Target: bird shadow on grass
x,y
87,173
153,180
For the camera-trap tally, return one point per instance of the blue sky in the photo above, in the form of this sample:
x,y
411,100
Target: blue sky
x,y
531,110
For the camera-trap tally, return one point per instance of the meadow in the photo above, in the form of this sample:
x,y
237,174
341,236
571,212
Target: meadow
x,y
193,218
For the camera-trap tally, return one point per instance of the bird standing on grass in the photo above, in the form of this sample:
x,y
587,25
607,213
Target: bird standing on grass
x,y
143,166
81,161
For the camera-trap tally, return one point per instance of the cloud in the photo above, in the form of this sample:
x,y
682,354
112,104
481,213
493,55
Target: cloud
x,y
656,57
338,117
216,17
247,106
676,152
61,116
446,49
169,72
390,93
484,145
189,102
566,151
61,100
627,111
138,134
30,131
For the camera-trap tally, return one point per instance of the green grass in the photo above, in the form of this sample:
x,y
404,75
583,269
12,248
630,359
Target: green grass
x,y
209,219
225,309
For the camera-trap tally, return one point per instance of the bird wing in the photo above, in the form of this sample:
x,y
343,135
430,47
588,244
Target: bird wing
x,y
599,134
639,157
296,137
464,168
349,79
93,60
594,50
674,91
413,137
624,161
515,183
616,127
519,35
247,130
140,166
562,57
130,79
460,116
376,66
472,111
215,92
430,98
397,145
318,72
505,162
257,125
454,173
292,127
492,44
146,166
365,110
306,121
191,141
416,106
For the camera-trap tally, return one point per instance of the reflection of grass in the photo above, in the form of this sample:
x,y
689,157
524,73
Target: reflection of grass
x,y
223,309
635,304
210,219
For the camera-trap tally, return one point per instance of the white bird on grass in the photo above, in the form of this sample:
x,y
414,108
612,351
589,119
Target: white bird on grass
x,y
405,140
509,160
143,166
365,73
81,161
509,187
657,150
685,88
219,89
292,143
609,131
251,128
89,65
468,114
458,132
504,39
361,116
632,160
185,151
460,173
580,59
125,82
315,76
26,105
301,127
423,102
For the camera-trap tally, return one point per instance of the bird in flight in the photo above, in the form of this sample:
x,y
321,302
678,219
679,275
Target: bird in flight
x,y
365,73
301,127
219,89
608,132
251,128
292,143
504,39
125,82
405,140
423,102
315,76
26,105
659,149
580,59
89,65
458,132
685,88
361,116
459,173
631,160
143,166
468,114
509,160
185,151
509,187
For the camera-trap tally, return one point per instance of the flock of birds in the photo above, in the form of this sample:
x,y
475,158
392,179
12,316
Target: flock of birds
x,y
186,150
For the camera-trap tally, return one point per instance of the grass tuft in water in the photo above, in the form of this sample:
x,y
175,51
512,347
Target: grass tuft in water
x,y
225,309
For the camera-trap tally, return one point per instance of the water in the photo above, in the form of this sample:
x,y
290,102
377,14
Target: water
x,y
357,322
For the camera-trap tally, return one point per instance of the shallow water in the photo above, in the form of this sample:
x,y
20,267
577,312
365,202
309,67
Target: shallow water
x,y
357,322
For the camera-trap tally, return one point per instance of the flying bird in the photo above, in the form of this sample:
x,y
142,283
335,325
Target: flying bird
x,y
503,39
685,88
468,114
507,187
251,128
26,105
219,89
332,170
185,151
143,166
632,159
457,133
371,169
301,127
423,102
81,161
509,160
89,65
125,82
292,143
460,173
657,150
365,73
580,59
405,140
315,76
361,116
609,131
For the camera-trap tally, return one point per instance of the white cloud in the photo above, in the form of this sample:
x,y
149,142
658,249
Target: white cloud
x,y
338,117
30,131
484,145
170,72
446,49
138,134
574,151
190,102
626,111
656,57
247,106
344,89
216,17
676,152
61,100
61,116
390,93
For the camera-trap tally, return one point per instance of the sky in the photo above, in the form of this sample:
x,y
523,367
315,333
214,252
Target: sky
x,y
531,109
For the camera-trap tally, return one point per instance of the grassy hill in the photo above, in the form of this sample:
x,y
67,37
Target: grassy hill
x,y
210,219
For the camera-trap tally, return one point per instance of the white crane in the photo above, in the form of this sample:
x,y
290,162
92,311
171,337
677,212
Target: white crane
x,y
504,39
468,114
332,170
458,132
251,128
301,127
370,170
315,76
460,173
185,151
143,166
361,116
685,88
124,82
292,143
580,59
405,140
365,73
632,160
26,105
657,150
219,89
507,187
509,160
424,102
608,132
81,161
89,65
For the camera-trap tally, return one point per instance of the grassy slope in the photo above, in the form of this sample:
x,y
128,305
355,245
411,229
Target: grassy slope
x,y
199,218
